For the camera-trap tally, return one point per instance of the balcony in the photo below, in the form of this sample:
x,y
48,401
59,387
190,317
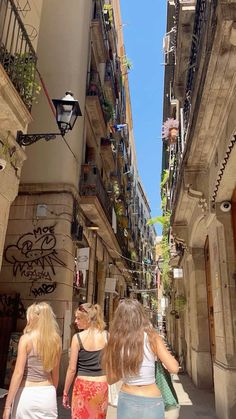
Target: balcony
x,y
92,189
107,154
17,56
185,13
110,85
95,105
97,207
98,34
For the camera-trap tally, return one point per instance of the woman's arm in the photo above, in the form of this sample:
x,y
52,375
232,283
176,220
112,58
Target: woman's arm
x,y
165,356
17,375
71,370
55,372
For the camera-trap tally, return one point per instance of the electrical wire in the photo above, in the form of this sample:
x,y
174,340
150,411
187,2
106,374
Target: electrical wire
x,y
130,260
70,149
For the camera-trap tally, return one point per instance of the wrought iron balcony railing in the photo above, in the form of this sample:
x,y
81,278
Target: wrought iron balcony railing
x,y
17,55
204,10
91,184
95,89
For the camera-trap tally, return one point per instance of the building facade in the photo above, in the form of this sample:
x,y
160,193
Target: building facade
x,y
66,235
200,191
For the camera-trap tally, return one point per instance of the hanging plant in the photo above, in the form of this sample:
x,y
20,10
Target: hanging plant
x,y
165,249
164,178
108,110
127,62
170,130
24,78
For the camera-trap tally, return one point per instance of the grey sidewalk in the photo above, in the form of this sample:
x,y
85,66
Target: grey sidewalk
x,y
195,403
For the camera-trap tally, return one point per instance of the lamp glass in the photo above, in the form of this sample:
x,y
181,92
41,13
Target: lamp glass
x,y
67,111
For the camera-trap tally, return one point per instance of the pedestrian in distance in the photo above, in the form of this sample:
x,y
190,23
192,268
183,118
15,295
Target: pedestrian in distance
x,y
130,356
32,391
90,390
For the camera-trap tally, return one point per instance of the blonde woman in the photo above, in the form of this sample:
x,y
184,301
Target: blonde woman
x,y
32,391
130,356
90,391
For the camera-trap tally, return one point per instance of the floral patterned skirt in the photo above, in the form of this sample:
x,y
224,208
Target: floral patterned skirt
x,y
89,399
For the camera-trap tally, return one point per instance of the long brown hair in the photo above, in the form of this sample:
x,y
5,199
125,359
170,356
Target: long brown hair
x,y
123,354
43,327
93,313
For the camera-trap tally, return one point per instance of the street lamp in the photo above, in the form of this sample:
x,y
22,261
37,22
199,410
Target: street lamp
x,y
67,111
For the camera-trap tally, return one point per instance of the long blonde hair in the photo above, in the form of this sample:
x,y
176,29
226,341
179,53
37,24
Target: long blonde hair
x,y
123,354
93,313
43,327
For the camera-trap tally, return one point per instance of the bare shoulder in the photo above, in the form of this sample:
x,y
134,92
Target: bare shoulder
x,y
24,342
75,338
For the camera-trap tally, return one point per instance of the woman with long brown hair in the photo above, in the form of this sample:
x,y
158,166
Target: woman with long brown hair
x,y
90,390
130,356
32,392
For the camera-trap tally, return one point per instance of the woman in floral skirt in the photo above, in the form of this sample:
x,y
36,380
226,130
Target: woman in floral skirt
x,y
90,391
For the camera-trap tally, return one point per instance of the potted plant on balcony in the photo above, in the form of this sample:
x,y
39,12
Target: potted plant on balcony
x,y
170,130
108,110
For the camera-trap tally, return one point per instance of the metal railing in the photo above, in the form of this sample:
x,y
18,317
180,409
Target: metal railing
x,y
91,184
95,89
17,55
99,16
199,26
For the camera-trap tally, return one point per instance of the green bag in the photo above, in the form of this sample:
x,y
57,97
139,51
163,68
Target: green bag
x,y
165,385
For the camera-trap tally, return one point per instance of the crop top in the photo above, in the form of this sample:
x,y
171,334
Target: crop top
x,y
147,369
88,363
34,368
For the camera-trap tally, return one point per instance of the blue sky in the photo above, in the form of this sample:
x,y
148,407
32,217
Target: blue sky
x,y
144,27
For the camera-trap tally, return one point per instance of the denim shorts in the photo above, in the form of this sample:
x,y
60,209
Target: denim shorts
x,y
139,407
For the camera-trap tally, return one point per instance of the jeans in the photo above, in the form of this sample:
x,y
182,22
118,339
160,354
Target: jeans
x,y
139,407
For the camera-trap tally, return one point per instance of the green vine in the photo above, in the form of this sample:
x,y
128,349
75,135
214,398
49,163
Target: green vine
x,y
164,178
127,62
24,78
164,246
108,110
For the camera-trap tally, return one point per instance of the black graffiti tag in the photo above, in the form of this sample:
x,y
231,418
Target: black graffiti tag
x,y
35,275
44,289
11,306
34,250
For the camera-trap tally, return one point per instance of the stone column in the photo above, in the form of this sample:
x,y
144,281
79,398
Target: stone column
x,y
200,345
222,253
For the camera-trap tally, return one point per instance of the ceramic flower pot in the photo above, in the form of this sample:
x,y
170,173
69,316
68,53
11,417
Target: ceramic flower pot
x,y
173,134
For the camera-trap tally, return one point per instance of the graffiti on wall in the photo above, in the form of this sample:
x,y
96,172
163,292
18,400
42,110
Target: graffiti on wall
x,y
34,255
44,289
11,306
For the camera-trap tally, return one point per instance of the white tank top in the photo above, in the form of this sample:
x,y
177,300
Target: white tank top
x,y
146,373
